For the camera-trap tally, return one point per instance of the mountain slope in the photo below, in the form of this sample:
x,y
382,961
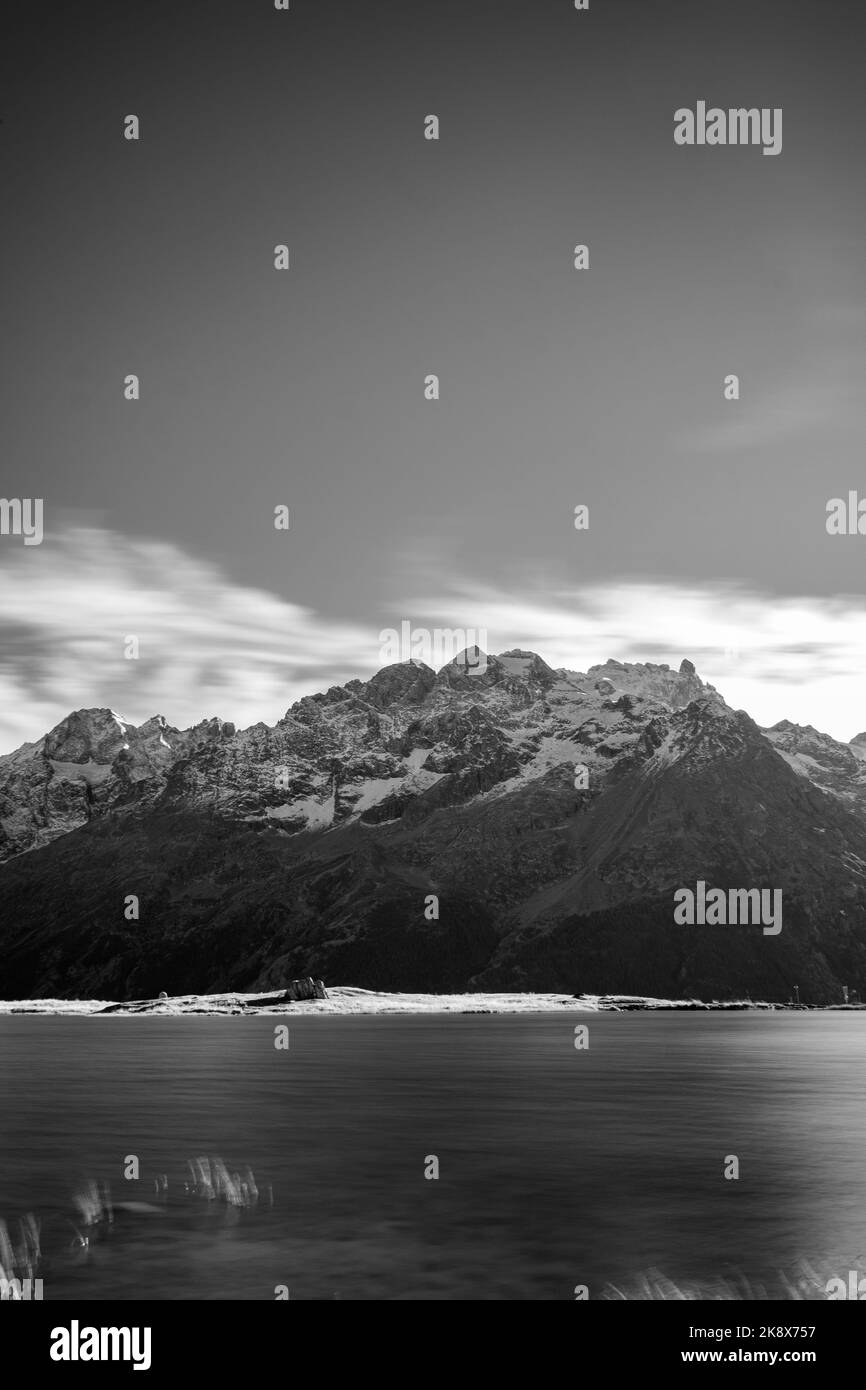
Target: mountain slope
x,y
315,847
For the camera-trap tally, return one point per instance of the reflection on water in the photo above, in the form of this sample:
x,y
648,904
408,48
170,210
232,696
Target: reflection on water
x,y
557,1166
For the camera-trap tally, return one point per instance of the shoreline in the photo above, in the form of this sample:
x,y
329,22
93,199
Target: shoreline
x,y
348,1001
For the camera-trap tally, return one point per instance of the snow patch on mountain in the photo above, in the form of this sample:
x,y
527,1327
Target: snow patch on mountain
x,y
318,815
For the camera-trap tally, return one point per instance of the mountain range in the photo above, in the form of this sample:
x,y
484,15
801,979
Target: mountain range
x,y
496,825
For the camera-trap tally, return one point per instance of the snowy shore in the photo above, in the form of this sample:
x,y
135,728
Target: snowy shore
x,y
348,1000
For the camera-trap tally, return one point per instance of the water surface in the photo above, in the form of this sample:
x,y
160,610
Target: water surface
x,y
557,1167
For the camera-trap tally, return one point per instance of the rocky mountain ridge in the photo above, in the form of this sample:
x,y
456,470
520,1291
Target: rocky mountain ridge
x,y
390,737
549,814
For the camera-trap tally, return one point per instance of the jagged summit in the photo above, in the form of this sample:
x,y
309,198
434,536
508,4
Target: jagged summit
x,y
470,667
648,681
527,666
788,726
406,680
85,734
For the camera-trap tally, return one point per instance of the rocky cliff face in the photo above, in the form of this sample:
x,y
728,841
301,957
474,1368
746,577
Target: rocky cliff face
x,y
366,750
839,768
90,764
550,814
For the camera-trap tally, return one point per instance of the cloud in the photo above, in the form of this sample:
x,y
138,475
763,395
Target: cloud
x,y
207,645
787,412
799,658
211,646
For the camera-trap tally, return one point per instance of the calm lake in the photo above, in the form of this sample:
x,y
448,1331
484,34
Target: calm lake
x,y
557,1166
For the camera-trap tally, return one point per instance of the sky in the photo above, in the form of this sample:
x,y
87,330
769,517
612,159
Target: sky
x,y
304,388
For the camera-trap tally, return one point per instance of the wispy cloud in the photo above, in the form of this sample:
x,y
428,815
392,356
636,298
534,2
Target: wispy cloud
x,y
800,658
783,413
211,646
206,645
